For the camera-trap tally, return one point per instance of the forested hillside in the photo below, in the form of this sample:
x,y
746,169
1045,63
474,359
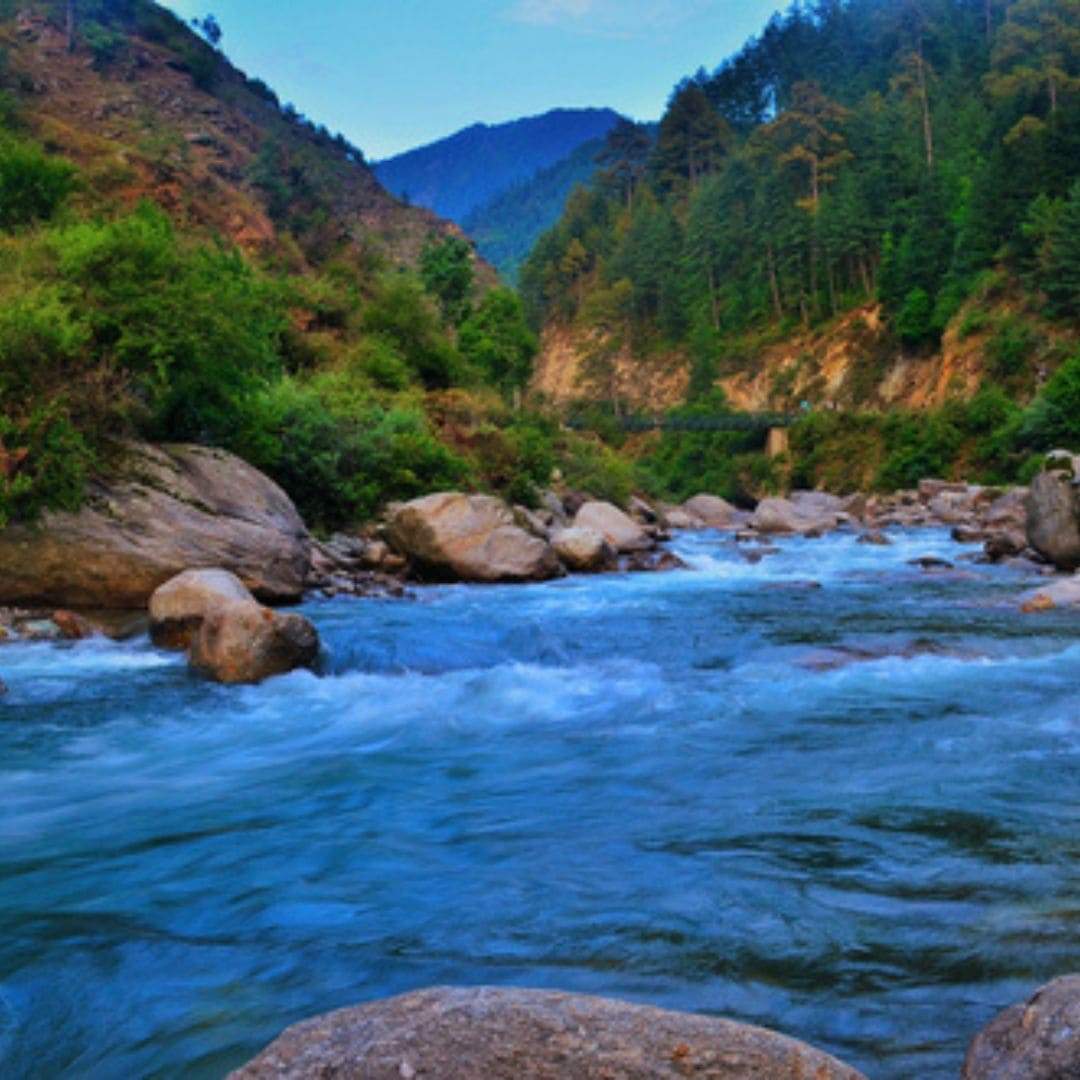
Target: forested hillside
x,y
457,174
182,257
891,172
506,227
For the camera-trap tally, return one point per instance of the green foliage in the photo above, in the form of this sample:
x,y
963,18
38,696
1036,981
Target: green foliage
x,y
402,317
446,268
197,329
107,46
497,342
590,465
33,186
1053,419
730,464
914,322
50,463
339,452
1009,350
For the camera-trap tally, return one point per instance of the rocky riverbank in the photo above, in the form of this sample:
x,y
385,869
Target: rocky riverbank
x,y
164,510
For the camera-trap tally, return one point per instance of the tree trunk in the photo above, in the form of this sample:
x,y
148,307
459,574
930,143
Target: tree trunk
x,y
774,285
928,131
70,25
713,301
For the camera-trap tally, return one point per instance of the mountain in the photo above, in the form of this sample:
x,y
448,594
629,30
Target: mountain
x,y
457,174
870,208
147,108
506,227
184,259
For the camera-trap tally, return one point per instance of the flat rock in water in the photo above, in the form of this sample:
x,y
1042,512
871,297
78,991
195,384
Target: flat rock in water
x,y
1038,1039
495,1034
160,511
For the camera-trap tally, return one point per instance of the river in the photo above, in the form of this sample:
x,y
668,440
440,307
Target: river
x,y
850,813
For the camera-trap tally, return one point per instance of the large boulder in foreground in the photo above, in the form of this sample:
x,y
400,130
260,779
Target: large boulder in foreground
x,y
454,537
1053,512
623,533
244,642
466,1034
158,512
1036,1040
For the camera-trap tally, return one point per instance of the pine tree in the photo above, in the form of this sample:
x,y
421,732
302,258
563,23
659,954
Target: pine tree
x,y
1037,49
624,153
1062,280
808,134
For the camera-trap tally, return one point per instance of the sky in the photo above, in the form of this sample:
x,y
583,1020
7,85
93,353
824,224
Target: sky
x,y
391,75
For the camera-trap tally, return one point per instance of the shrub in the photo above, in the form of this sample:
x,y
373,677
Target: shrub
x,y
44,464
33,186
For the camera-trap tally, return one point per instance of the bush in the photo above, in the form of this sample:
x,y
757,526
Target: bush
x,y
32,186
43,465
341,456
1053,419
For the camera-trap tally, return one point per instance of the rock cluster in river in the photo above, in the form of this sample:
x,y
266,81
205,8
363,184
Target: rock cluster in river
x,y
508,1034
458,537
228,635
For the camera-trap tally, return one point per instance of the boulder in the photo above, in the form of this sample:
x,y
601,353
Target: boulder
x,y
178,607
715,512
496,1034
583,550
240,641
675,517
1008,511
775,515
1038,1039
531,522
622,532
159,511
73,626
875,537
450,536
1053,517
1058,594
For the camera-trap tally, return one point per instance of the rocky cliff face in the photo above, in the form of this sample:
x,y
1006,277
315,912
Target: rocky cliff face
x,y
852,362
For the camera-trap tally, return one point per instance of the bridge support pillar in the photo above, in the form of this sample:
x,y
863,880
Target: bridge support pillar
x,y
778,442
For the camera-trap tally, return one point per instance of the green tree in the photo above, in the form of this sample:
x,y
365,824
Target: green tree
x,y
446,268
1037,49
623,157
496,340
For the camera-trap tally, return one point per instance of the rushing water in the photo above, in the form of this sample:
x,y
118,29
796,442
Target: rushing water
x,y
850,813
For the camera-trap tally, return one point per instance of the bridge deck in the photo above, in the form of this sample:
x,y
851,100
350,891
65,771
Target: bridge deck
x,y
721,422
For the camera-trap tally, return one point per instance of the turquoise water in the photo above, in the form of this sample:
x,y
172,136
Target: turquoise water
x,y
849,812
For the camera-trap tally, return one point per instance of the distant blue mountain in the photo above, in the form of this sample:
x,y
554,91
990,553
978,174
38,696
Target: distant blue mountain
x,y
457,174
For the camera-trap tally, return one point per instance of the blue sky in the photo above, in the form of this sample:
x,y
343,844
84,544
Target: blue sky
x,y
394,74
